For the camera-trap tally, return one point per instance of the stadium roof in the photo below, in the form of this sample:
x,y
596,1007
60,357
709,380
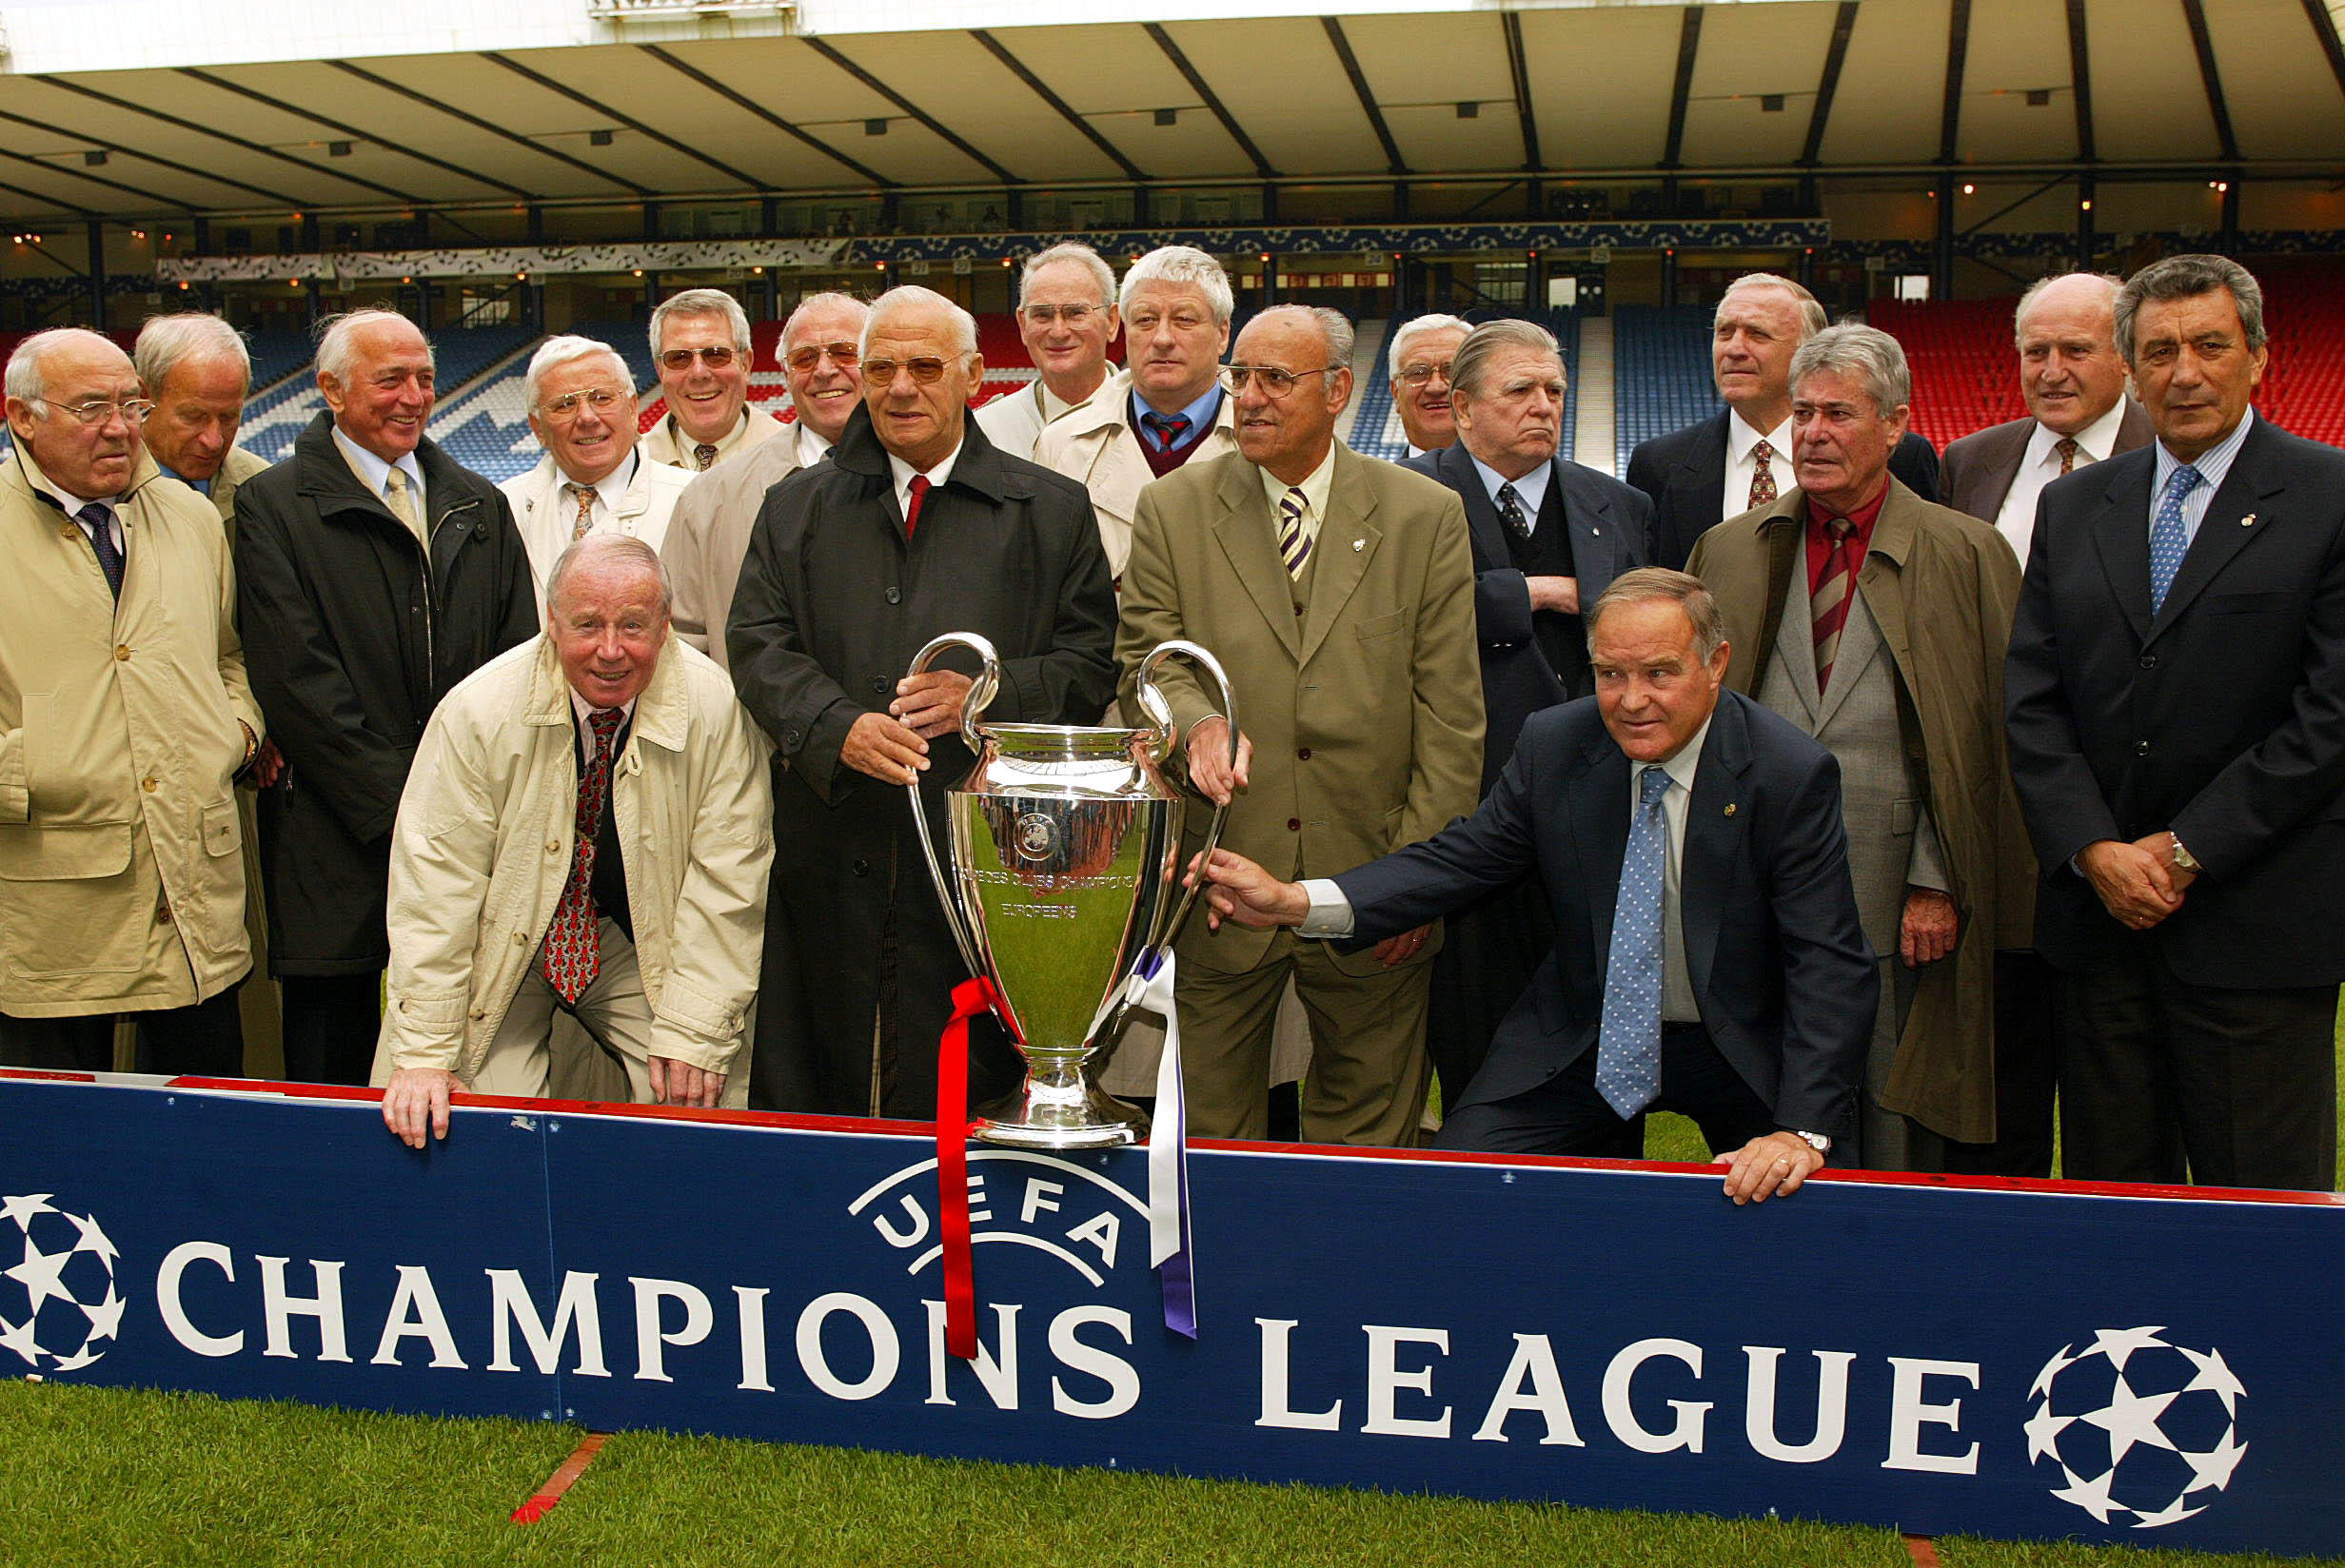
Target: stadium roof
x,y
335,106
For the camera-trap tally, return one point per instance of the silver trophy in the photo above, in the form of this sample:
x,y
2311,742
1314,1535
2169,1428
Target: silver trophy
x,y
1060,837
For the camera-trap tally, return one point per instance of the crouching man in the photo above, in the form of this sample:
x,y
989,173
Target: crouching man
x,y
587,828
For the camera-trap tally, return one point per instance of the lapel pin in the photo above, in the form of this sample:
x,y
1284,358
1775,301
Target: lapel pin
x,y
1359,544
2247,521
1729,808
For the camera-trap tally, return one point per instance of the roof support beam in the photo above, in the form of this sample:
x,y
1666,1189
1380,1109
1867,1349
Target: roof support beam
x,y
1041,90
824,50
53,203
1957,49
1835,57
1688,46
2081,79
1517,68
354,133
1210,99
490,125
2324,26
1367,100
94,179
2194,13
262,149
746,181
743,102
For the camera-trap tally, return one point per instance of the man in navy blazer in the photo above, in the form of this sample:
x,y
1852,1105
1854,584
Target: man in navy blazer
x,y
1549,536
2175,693
1740,458
1766,984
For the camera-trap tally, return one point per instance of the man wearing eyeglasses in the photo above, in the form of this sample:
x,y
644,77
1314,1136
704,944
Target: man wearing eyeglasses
x,y
700,339
1422,352
592,480
1338,592
709,532
915,526
125,720
1066,317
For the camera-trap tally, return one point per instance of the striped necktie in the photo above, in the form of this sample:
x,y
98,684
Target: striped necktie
x,y
1294,539
1828,605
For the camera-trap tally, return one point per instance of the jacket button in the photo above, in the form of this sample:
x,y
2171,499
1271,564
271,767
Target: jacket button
x,y
121,650
895,595
148,783
1302,754
2142,747
1294,824
163,912
520,941
2149,661
879,685
553,846
863,868
1298,610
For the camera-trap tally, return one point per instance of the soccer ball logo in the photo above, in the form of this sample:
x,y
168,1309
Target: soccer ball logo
x,y
64,1286
2137,1427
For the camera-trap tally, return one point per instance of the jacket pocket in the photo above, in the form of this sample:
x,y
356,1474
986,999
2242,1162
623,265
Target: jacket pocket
x,y
2246,605
66,851
56,924
221,835
1380,626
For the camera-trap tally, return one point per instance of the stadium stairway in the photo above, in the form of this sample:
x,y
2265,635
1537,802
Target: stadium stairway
x,y
1591,439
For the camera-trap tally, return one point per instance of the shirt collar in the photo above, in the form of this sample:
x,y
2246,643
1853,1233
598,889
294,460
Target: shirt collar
x,y
1532,486
724,443
811,448
2097,440
1863,517
1683,767
613,484
901,472
2213,464
202,487
586,710
1314,487
1740,437
1200,414
71,504
373,469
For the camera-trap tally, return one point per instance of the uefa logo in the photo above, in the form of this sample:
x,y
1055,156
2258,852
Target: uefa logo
x,y
59,1310
2143,1431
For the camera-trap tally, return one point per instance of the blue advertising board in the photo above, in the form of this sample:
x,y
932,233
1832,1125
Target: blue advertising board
x,y
2001,1359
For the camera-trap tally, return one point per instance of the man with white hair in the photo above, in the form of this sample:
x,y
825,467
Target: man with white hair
x,y
195,369
709,531
1165,406
592,480
125,718
623,752
1066,317
1740,458
915,525
700,342
1419,364
373,575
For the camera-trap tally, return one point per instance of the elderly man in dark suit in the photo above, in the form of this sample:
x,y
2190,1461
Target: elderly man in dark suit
x,y
2175,696
2073,380
915,526
1709,958
1548,535
1740,457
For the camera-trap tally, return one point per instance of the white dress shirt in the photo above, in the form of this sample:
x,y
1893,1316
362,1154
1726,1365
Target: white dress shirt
x,y
811,448
603,516
2041,464
1742,441
73,505
903,474
376,474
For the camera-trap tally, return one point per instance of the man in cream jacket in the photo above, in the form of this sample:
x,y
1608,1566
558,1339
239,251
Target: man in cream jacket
x,y
587,829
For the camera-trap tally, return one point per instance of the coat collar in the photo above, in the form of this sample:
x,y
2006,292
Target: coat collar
x,y
663,713
1348,542
24,471
980,465
321,473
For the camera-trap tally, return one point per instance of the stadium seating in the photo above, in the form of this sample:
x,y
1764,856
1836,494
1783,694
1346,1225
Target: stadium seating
x,y
1661,374
1376,428
1965,369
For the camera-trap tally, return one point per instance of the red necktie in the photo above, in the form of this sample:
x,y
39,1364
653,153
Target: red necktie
x,y
573,948
1829,603
912,507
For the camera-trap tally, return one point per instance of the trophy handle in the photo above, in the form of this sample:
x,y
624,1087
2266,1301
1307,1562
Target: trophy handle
x,y
1160,712
980,693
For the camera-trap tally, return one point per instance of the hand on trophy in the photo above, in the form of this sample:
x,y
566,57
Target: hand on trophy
x,y
1239,890
1210,768
930,704
884,749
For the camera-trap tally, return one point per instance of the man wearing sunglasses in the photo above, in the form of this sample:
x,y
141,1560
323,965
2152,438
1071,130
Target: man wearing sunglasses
x,y
125,718
592,480
915,525
709,532
1338,592
1066,317
699,338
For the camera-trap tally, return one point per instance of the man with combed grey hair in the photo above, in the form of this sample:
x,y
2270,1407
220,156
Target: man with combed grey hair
x,y
2173,702
124,721
915,525
702,343
1877,622
708,533
1337,592
1738,459
1547,536
374,573
1420,368
587,832
592,480
1066,317
1164,407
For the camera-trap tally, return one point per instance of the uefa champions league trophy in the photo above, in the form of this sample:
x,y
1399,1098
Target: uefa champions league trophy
x,y
1060,838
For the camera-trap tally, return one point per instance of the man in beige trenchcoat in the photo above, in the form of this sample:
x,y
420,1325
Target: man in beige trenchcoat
x,y
197,372
124,721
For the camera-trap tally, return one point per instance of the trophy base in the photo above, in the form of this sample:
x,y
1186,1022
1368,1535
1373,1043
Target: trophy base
x,y
1065,1113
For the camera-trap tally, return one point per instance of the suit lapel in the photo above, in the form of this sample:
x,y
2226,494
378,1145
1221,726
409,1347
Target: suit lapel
x,y
1587,512
1706,472
2120,530
1347,539
2246,497
1457,470
1859,641
1598,828
1996,482
1714,819
1243,532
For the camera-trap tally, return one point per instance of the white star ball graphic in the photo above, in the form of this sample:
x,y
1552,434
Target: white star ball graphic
x,y
2142,1431
59,1310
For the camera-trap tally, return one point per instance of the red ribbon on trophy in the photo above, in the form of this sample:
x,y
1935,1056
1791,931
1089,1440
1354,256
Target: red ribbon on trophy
x,y
970,998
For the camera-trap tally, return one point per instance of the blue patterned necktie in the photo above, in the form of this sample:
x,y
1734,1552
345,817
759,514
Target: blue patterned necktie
x,y
2167,539
99,517
1628,1040
1170,428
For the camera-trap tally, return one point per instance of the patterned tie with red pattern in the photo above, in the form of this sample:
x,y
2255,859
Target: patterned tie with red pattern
x,y
573,949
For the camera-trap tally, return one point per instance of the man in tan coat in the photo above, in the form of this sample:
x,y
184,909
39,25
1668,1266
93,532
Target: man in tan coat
x,y
124,721
699,340
1876,623
623,753
195,369
708,533
1337,591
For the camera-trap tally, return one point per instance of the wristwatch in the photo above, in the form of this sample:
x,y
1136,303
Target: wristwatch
x,y
2183,859
1816,1140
